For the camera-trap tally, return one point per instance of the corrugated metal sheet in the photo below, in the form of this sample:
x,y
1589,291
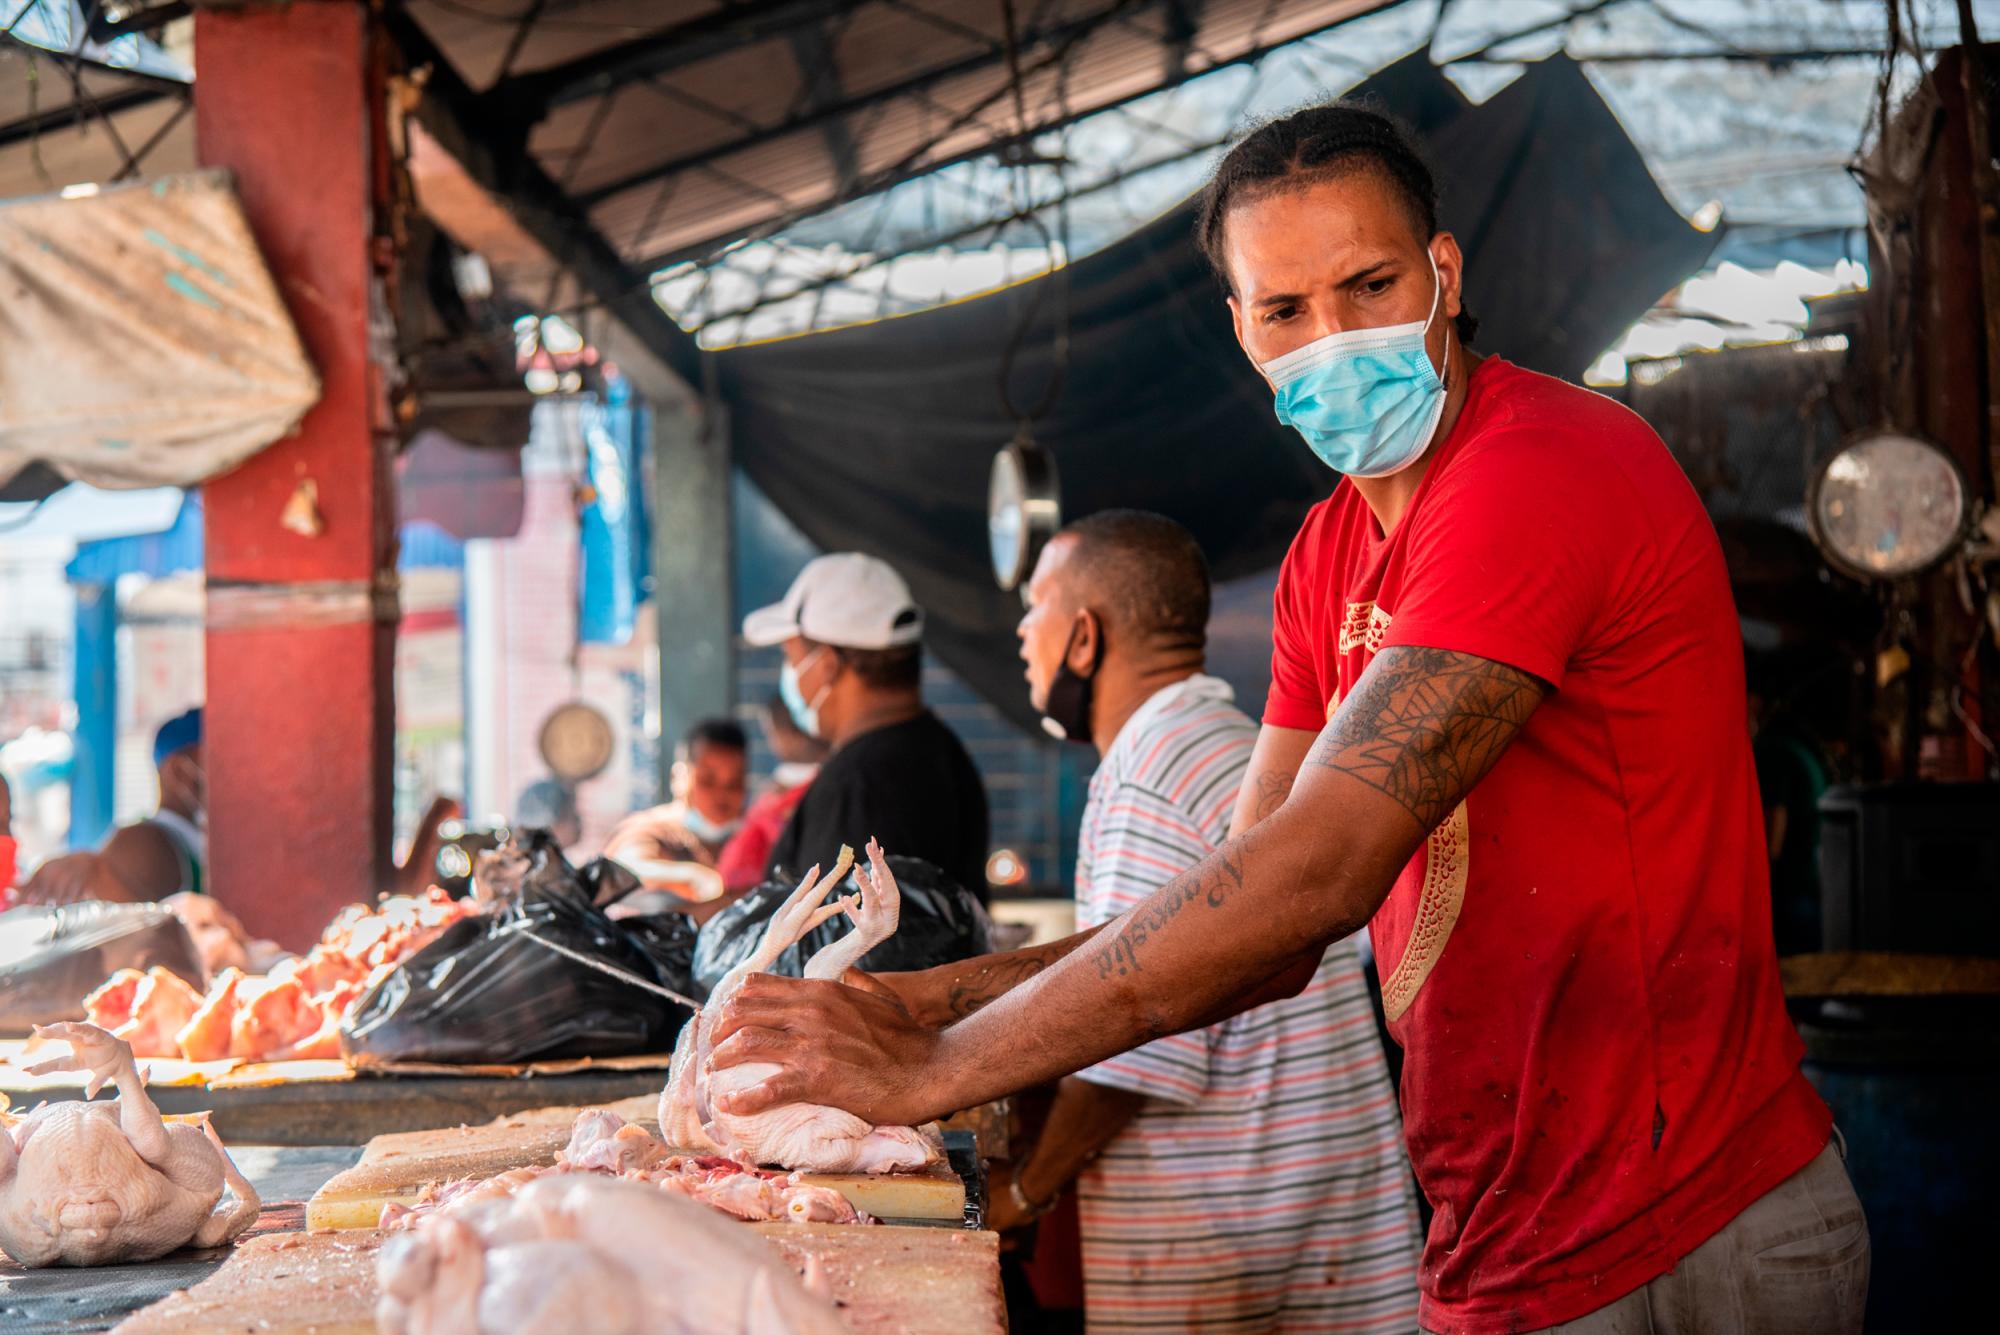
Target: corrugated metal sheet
x,y
816,102
696,153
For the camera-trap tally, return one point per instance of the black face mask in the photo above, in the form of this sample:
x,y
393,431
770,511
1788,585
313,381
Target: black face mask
x,y
1066,716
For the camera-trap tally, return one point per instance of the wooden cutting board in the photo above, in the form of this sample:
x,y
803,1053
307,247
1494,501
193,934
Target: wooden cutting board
x,y
281,1284
911,1281
893,1280
398,1167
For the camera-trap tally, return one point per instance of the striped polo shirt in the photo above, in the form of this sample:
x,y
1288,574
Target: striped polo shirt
x,y
1263,1184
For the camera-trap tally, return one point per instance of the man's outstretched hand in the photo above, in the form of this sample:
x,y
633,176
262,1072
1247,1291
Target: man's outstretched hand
x,y
856,1050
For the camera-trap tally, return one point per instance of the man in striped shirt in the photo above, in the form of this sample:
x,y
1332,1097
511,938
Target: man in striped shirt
x,y
1246,1177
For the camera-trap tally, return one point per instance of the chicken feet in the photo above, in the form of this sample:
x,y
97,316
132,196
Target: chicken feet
x,y
807,1135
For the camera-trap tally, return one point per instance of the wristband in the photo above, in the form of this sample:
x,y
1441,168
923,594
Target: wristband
x,y
1029,1210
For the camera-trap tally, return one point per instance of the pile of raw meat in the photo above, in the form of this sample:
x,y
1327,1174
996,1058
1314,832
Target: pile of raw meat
x,y
606,1145
291,1013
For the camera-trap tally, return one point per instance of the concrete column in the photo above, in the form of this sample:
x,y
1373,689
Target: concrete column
x,y
301,538
693,570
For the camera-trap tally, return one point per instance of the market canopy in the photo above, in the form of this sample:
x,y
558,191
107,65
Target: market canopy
x,y
879,437
621,135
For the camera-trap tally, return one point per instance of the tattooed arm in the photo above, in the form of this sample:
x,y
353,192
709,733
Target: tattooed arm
x,y
1268,782
1420,729
950,992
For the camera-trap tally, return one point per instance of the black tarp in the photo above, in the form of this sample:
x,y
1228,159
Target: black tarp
x,y
879,438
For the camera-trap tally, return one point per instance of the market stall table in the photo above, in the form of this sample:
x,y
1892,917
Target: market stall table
x,y
59,1299
281,1277
329,1102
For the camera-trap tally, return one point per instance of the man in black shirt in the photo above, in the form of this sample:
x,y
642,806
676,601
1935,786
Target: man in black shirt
x,y
853,676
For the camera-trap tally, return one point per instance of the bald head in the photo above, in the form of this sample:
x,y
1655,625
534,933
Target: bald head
x,y
1143,573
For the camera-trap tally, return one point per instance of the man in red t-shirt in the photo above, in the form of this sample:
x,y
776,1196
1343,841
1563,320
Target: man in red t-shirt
x,y
1506,729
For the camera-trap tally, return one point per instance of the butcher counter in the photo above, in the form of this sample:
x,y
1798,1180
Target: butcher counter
x,y
281,1277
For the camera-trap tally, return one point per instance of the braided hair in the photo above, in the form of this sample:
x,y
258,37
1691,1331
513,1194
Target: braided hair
x,y
1314,145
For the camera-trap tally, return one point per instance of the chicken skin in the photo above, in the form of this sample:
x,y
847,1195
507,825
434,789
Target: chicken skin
x,y
85,1183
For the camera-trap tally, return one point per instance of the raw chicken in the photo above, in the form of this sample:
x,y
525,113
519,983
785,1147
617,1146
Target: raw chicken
x,y
220,936
292,1013
82,1184
161,1006
111,1004
205,1037
595,1256
602,1142
274,1014
145,1009
799,1135
323,1043
438,1198
215,931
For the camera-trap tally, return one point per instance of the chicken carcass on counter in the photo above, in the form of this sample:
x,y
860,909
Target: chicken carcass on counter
x,y
596,1256
603,1143
84,1184
292,1012
805,1136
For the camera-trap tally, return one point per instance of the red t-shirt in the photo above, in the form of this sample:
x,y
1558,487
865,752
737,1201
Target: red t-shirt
x,y
748,852
1599,1070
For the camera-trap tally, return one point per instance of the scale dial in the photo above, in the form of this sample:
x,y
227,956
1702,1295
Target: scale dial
x,y
1887,506
1023,510
577,742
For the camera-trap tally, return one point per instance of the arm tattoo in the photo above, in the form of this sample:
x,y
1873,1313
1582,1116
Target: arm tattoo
x,y
1273,787
993,981
1210,882
1424,726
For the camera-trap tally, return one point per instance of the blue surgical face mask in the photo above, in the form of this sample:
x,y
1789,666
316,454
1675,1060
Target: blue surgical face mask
x,y
706,830
803,714
1367,401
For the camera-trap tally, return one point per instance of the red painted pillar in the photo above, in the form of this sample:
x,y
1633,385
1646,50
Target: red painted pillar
x,y
301,624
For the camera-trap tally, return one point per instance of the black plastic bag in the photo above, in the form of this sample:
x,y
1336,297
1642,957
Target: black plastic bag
x,y
52,956
484,992
940,922
669,939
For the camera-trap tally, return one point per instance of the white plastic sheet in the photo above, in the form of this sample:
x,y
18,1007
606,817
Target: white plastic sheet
x,y
142,340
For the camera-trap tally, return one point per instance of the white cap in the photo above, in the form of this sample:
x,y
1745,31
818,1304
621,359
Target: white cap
x,y
846,599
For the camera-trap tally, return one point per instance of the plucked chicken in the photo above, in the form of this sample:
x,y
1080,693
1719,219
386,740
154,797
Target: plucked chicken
x,y
595,1256
805,1136
99,1183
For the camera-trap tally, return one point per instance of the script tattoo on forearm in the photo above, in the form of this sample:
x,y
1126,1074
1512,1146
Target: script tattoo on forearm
x,y
1210,883
1424,726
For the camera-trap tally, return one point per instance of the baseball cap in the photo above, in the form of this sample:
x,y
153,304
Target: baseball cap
x,y
847,599
177,733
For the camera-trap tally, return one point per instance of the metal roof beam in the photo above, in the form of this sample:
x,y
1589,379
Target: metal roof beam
x,y
533,95
73,113
968,232
819,82
1055,34
1183,26
706,247
455,116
